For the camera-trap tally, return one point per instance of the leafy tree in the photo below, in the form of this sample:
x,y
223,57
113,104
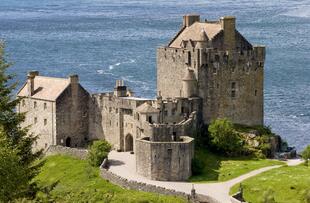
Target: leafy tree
x,y
98,151
17,145
306,154
224,137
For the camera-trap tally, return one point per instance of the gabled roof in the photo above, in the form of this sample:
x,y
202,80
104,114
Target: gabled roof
x,y
45,88
146,108
193,32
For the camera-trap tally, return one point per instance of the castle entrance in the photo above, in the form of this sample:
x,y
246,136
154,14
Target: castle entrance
x,y
68,142
128,143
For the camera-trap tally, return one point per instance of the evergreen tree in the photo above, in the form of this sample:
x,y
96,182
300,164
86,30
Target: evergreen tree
x,y
16,143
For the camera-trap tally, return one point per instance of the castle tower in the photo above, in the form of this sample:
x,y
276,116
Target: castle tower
x,y
228,70
189,84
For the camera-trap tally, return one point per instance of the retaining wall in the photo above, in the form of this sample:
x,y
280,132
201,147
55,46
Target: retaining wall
x,y
75,152
134,185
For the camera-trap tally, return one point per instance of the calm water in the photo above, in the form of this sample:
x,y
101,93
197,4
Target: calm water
x,y
103,41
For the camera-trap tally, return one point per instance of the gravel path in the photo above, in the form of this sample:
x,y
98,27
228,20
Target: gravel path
x,y
123,164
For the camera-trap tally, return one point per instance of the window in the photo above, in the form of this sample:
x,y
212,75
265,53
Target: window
x,y
233,93
233,89
255,93
233,69
45,121
45,106
150,119
217,58
35,120
35,104
189,58
233,85
23,102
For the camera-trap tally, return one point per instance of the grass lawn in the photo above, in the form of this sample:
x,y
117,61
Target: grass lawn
x,y
219,168
78,182
289,185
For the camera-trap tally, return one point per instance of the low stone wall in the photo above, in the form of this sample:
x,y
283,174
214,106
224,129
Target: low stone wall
x,y
75,152
134,185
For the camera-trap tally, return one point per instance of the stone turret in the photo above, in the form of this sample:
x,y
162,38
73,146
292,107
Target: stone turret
x,y
30,82
189,84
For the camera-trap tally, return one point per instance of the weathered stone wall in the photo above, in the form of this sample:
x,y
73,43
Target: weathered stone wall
x,y
72,116
232,87
113,118
219,73
134,185
167,161
75,152
171,68
41,117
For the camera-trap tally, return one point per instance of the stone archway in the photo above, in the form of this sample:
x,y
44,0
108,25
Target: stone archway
x,y
68,142
128,143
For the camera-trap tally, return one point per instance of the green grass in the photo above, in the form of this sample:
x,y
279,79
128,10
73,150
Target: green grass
x,y
289,185
219,168
79,182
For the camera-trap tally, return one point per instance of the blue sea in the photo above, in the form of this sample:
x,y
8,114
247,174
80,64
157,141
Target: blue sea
x,y
105,40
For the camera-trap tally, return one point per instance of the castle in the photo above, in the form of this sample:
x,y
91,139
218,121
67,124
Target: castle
x,y
207,71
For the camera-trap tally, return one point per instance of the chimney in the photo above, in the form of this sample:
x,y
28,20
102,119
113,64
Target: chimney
x,y
74,79
30,81
228,24
74,83
190,19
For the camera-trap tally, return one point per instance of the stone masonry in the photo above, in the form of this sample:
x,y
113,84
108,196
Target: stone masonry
x,y
207,71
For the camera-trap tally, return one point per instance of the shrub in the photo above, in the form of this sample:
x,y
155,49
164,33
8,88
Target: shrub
x,y
306,154
225,138
197,166
98,151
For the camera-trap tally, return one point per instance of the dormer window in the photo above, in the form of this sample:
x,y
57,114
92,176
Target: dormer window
x,y
35,104
23,103
45,106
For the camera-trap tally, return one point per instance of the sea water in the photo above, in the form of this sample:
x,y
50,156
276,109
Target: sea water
x,y
107,40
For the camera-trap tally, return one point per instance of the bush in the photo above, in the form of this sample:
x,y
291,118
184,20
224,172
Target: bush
x,y
98,151
197,166
306,154
225,138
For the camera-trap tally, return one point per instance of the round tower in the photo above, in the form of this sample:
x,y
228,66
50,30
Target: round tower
x,y
189,84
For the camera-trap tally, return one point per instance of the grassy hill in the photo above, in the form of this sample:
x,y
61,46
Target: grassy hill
x,y
79,182
221,168
288,184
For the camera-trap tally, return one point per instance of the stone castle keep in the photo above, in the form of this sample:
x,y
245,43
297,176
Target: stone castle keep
x,y
207,71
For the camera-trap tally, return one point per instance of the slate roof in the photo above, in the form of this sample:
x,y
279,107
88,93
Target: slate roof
x,y
146,108
45,88
193,32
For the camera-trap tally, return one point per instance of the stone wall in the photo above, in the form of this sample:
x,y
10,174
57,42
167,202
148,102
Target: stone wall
x,y
72,117
41,117
75,152
134,185
165,160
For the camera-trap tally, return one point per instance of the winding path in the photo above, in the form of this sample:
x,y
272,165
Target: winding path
x,y
123,164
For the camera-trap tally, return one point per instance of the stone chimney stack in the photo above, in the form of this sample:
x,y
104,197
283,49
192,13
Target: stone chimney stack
x,y
228,24
30,82
74,83
190,19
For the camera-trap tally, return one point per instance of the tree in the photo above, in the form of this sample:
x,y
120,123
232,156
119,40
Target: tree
x,y
17,143
306,154
98,151
224,137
